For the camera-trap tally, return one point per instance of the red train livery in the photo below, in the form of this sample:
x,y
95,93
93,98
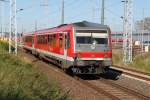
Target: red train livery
x,y
83,47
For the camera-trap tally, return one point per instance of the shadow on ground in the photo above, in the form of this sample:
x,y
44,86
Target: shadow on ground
x,y
110,74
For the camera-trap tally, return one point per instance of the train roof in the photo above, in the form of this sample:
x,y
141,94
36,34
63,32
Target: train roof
x,y
86,24
89,25
77,25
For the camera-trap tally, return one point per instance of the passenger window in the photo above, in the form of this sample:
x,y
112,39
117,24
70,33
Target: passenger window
x,y
51,40
54,40
29,39
67,40
60,40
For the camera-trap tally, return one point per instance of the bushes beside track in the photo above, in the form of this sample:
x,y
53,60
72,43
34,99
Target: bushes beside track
x,y
21,80
141,62
3,45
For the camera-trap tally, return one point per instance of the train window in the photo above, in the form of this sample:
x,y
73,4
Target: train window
x,y
41,39
29,39
51,40
68,40
92,36
101,40
83,40
54,40
91,31
38,39
90,40
60,40
45,39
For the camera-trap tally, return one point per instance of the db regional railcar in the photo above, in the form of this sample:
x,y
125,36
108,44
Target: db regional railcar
x,y
83,47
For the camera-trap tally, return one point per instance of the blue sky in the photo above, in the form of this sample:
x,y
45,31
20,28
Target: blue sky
x,y
75,10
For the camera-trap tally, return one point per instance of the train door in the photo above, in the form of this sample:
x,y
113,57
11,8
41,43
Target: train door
x,y
32,40
65,49
61,43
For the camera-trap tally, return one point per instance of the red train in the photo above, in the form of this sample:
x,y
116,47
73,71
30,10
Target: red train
x,y
83,47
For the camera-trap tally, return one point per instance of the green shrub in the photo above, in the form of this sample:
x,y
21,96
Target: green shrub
x,y
4,45
140,62
21,80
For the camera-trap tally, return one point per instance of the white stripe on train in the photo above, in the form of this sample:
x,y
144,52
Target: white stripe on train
x,y
62,56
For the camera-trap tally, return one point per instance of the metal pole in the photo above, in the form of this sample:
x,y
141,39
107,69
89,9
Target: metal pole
x,y
10,34
148,38
93,10
123,45
143,31
21,34
62,13
35,25
103,12
127,41
1,32
13,26
2,20
46,10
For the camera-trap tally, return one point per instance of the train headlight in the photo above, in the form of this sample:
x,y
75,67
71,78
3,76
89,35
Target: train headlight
x,y
105,55
77,55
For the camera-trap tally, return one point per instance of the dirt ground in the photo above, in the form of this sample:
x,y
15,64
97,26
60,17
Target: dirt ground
x,y
75,89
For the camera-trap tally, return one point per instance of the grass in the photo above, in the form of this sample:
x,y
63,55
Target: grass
x,y
3,46
140,62
21,80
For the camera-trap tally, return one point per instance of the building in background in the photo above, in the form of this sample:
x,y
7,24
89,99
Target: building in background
x,y
139,24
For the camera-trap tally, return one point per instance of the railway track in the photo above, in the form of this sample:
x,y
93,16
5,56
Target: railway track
x,y
114,90
110,89
133,73
98,89
125,90
132,70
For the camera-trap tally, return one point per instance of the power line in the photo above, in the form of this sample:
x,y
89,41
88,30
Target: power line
x,y
67,4
70,5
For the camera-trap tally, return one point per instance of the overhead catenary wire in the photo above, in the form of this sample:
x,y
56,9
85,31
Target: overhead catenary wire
x,y
70,5
56,12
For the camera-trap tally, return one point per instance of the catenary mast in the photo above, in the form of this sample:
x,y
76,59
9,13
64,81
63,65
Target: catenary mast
x,y
103,12
128,30
13,27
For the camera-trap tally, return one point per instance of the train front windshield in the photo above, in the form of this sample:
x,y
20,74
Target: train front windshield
x,y
92,36
86,39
